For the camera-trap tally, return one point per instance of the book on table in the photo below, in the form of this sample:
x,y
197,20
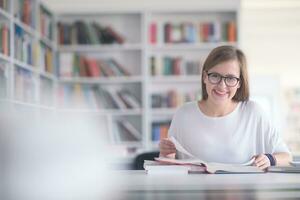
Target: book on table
x,y
294,167
194,164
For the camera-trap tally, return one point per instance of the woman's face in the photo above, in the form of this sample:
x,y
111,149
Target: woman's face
x,y
222,93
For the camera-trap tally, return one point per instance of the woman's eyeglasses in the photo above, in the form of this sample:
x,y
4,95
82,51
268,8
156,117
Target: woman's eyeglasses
x,y
216,78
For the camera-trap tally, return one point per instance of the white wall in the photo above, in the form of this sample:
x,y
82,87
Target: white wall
x,y
270,36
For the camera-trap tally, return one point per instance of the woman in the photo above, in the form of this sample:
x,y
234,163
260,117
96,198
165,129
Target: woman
x,y
225,126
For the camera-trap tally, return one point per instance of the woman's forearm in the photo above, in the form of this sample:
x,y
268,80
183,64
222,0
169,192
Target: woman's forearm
x,y
282,159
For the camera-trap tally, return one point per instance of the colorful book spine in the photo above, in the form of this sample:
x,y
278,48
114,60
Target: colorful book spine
x,y
160,130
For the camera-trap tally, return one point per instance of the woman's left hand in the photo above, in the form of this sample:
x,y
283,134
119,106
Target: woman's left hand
x,y
262,161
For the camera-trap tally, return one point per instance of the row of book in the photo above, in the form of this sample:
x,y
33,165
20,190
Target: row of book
x,y
174,66
4,39
172,98
81,32
32,52
76,65
3,80
125,131
4,4
46,23
97,97
24,85
160,130
24,10
188,32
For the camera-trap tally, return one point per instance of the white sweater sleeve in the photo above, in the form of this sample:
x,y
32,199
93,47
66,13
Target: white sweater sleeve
x,y
174,127
273,141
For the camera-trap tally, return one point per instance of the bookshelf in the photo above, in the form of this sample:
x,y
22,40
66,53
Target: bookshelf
x,y
130,69
113,44
163,51
27,56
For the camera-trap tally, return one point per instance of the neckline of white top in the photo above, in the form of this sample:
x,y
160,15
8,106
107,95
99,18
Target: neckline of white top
x,y
232,113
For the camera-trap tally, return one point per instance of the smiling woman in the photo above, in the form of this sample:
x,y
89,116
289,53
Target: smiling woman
x,y
225,126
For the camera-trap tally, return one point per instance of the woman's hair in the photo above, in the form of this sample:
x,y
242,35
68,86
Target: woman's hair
x,y
223,54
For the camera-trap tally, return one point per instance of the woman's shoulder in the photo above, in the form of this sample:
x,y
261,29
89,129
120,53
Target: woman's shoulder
x,y
252,107
187,107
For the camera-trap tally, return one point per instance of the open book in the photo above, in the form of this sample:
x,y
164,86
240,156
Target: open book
x,y
209,166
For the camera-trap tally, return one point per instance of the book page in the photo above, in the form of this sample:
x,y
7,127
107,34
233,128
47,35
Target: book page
x,y
180,148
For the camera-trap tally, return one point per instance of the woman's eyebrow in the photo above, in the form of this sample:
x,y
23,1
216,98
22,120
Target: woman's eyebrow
x,y
230,75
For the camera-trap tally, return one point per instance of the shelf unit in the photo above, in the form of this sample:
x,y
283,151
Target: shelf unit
x,y
30,57
139,53
162,51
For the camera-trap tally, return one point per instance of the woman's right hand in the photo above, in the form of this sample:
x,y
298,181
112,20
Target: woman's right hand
x,y
167,148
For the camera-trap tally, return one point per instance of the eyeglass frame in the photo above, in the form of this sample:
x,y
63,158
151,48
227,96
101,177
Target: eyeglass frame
x,y
223,77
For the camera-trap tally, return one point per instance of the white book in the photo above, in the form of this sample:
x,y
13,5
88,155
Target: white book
x,y
66,64
154,167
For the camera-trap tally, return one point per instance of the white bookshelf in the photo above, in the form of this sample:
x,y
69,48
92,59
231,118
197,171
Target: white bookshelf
x,y
28,83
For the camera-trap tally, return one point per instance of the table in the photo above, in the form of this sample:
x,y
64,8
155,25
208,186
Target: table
x,y
139,185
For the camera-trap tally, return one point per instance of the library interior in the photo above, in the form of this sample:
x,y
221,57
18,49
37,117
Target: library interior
x,y
88,90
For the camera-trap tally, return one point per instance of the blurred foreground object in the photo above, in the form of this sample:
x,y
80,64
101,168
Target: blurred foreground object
x,y
54,158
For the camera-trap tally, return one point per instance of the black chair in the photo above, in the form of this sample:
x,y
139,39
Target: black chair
x,y
139,159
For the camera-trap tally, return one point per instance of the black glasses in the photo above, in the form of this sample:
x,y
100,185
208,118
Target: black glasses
x,y
216,78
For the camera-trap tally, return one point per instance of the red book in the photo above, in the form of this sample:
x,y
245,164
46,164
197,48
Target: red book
x,y
167,32
153,33
26,12
119,38
231,32
205,31
5,40
176,66
93,68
